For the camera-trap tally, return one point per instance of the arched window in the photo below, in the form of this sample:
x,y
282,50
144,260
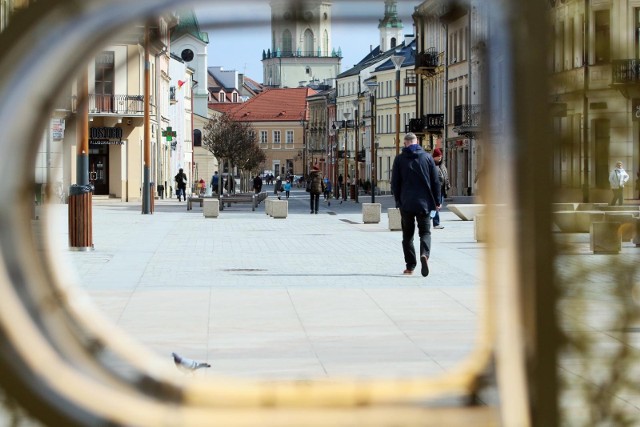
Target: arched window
x,y
287,47
197,138
308,43
393,42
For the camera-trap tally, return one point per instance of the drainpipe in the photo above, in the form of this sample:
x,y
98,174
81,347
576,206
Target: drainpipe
x,y
585,106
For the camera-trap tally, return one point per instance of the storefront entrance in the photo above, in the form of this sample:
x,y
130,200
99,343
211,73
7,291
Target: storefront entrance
x,y
98,169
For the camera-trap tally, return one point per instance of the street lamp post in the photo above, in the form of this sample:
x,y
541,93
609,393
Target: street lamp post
x,y
303,122
356,103
397,62
371,87
344,178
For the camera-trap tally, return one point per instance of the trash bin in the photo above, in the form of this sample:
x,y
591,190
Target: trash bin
x,y
80,217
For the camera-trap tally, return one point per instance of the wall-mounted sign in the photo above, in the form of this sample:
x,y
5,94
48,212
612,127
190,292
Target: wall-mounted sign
x,y
105,136
57,129
635,109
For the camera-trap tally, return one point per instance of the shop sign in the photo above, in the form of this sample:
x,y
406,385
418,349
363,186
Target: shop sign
x,y
105,136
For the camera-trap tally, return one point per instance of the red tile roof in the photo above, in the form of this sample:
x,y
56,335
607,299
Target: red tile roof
x,y
286,104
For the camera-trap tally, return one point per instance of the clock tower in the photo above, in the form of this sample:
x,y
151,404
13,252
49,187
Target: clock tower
x,y
300,51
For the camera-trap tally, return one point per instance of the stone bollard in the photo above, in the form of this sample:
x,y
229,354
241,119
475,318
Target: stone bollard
x,y
395,220
371,213
267,206
480,227
211,207
279,208
605,238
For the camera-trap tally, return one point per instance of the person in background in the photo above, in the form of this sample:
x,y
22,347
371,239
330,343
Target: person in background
x,y
257,183
416,189
287,187
181,184
315,189
443,175
618,178
339,187
327,190
277,189
214,182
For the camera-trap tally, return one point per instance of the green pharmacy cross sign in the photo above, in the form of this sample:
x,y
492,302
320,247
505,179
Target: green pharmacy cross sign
x,y
169,134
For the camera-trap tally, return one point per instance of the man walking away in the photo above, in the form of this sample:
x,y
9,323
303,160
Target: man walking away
x,y
416,189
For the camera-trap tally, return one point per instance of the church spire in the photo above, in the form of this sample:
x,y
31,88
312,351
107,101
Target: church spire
x,y
390,26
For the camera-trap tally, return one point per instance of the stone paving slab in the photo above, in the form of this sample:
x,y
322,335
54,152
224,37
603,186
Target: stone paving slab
x,y
309,296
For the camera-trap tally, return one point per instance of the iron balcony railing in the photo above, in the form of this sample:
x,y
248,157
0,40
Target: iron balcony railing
x,y
427,61
625,71
125,105
434,122
416,125
299,54
467,116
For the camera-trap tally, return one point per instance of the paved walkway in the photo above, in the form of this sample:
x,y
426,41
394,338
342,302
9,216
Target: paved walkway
x,y
309,296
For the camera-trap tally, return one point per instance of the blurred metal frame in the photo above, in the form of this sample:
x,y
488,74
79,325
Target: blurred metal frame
x,y
68,366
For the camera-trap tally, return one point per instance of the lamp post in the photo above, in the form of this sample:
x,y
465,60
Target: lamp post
x,y
371,87
356,103
303,123
345,180
397,62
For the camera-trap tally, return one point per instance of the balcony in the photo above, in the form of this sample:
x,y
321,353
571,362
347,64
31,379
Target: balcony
x,y
350,124
434,123
625,76
117,105
466,120
417,125
427,62
299,54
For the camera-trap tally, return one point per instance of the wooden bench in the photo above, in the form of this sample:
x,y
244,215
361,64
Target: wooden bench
x,y
252,198
192,199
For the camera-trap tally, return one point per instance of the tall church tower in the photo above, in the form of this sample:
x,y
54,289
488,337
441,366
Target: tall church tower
x,y
300,51
390,26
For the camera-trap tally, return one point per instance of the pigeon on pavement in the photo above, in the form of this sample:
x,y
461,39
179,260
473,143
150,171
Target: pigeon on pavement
x,y
188,365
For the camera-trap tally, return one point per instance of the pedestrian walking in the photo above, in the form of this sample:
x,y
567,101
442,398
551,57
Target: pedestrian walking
x,y
181,184
339,187
257,184
316,187
416,190
443,176
618,178
214,182
327,191
277,189
287,188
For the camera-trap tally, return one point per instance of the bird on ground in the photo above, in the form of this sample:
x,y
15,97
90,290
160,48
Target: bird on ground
x,y
188,365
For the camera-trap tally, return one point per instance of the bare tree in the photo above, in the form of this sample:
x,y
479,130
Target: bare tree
x,y
233,142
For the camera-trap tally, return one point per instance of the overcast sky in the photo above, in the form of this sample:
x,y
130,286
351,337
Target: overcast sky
x,y
238,35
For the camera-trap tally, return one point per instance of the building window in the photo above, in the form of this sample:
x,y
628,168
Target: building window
x,y
287,45
603,37
221,97
235,97
289,137
263,137
276,137
104,81
197,138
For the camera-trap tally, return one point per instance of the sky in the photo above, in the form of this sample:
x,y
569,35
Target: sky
x,y
238,35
